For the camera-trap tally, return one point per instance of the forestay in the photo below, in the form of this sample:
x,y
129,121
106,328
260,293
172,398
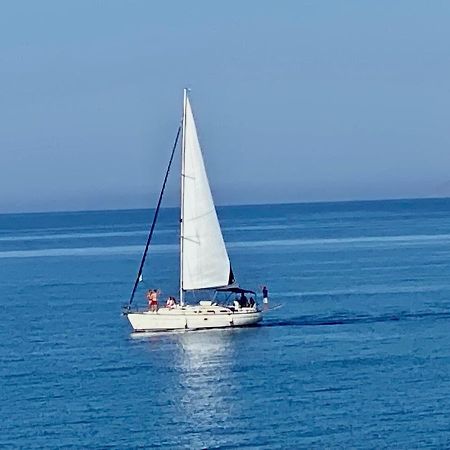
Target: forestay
x,y
205,262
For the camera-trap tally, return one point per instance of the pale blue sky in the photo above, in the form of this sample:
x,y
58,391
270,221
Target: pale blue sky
x,y
294,100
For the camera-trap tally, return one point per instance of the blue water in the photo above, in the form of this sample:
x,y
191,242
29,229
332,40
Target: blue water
x,y
358,356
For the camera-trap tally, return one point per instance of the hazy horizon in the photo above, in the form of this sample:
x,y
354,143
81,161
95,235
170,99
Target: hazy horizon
x,y
227,205
294,102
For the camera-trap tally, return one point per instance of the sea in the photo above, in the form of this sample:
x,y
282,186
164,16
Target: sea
x,y
356,356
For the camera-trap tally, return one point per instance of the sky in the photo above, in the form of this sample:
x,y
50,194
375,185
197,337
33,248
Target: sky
x,y
294,100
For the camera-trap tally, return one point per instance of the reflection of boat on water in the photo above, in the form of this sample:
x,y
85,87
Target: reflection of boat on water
x,y
206,348
204,261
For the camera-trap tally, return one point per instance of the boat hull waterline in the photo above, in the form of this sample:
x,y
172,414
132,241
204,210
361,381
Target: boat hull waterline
x,y
193,318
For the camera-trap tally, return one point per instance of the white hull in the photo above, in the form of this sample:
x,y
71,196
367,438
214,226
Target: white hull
x,y
193,318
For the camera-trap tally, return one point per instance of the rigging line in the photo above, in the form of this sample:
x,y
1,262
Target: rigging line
x,y
155,217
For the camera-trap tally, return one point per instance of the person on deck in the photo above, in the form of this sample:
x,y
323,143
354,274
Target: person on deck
x,y
265,293
152,297
243,301
171,302
252,302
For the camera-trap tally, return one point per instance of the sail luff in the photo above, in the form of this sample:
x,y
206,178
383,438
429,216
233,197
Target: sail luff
x,y
183,147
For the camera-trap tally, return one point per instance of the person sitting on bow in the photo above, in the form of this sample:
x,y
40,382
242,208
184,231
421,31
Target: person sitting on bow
x,y
171,303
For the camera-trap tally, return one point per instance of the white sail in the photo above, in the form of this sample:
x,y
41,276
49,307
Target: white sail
x,y
204,258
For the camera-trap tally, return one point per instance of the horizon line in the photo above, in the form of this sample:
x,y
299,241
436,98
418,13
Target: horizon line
x,y
304,202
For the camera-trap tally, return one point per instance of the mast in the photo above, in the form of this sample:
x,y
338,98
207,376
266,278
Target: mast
x,y
183,152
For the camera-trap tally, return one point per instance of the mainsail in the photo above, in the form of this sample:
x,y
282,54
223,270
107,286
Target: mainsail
x,y
204,258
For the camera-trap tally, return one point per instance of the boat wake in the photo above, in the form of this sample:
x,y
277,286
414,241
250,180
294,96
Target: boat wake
x,y
333,320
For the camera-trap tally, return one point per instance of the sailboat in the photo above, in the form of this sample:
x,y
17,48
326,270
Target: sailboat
x,y
204,261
